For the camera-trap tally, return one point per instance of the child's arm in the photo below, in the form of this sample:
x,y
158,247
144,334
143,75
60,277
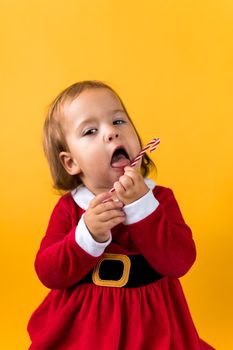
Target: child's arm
x,y
61,260
157,227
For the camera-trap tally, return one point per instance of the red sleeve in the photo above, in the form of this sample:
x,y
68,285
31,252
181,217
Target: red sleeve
x,y
164,238
60,261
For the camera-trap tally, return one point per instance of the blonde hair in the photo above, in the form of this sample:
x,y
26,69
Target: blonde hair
x,y
54,140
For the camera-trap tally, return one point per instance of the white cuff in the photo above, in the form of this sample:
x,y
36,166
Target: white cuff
x,y
85,240
141,208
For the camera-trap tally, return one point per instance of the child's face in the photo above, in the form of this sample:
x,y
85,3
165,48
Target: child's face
x,y
95,125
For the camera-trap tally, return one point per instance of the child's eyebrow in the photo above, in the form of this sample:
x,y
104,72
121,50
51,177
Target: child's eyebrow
x,y
114,111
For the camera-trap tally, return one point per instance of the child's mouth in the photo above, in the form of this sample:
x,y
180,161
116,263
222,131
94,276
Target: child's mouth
x,y
120,158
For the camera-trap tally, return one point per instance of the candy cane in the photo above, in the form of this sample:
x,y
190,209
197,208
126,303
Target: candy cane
x,y
153,144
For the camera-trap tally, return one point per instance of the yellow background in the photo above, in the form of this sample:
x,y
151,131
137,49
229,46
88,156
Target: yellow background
x,y
172,64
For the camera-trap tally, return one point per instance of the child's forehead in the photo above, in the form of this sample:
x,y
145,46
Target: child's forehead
x,y
98,96
92,100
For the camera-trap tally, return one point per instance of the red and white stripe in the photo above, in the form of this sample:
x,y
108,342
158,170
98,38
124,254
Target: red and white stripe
x,y
152,145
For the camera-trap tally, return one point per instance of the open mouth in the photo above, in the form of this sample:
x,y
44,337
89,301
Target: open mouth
x,y
120,158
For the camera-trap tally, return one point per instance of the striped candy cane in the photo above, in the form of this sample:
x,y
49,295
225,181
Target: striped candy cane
x,y
153,144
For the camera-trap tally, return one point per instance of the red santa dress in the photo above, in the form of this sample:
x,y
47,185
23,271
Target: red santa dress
x,y
86,316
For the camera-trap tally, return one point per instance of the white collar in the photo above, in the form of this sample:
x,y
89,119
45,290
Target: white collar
x,y
82,196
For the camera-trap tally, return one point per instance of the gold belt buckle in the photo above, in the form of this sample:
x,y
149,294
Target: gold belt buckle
x,y
112,283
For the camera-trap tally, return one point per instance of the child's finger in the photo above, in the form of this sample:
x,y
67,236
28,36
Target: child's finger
x,y
99,199
111,214
107,206
133,174
120,190
108,225
130,168
126,181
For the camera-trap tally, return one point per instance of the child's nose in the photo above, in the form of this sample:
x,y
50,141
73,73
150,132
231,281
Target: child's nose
x,y
111,134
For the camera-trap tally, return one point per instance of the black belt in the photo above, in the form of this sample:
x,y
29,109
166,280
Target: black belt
x,y
118,270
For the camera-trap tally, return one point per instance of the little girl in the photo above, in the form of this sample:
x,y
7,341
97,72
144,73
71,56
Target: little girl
x,y
111,259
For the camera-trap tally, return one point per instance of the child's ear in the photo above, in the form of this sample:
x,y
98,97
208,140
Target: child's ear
x,y
69,163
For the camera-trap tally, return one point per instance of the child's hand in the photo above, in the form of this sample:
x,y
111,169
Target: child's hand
x,y
101,217
130,186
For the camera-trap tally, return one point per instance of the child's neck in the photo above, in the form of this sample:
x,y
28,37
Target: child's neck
x,y
97,191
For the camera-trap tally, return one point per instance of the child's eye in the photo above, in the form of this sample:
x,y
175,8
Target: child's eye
x,y
89,131
119,121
